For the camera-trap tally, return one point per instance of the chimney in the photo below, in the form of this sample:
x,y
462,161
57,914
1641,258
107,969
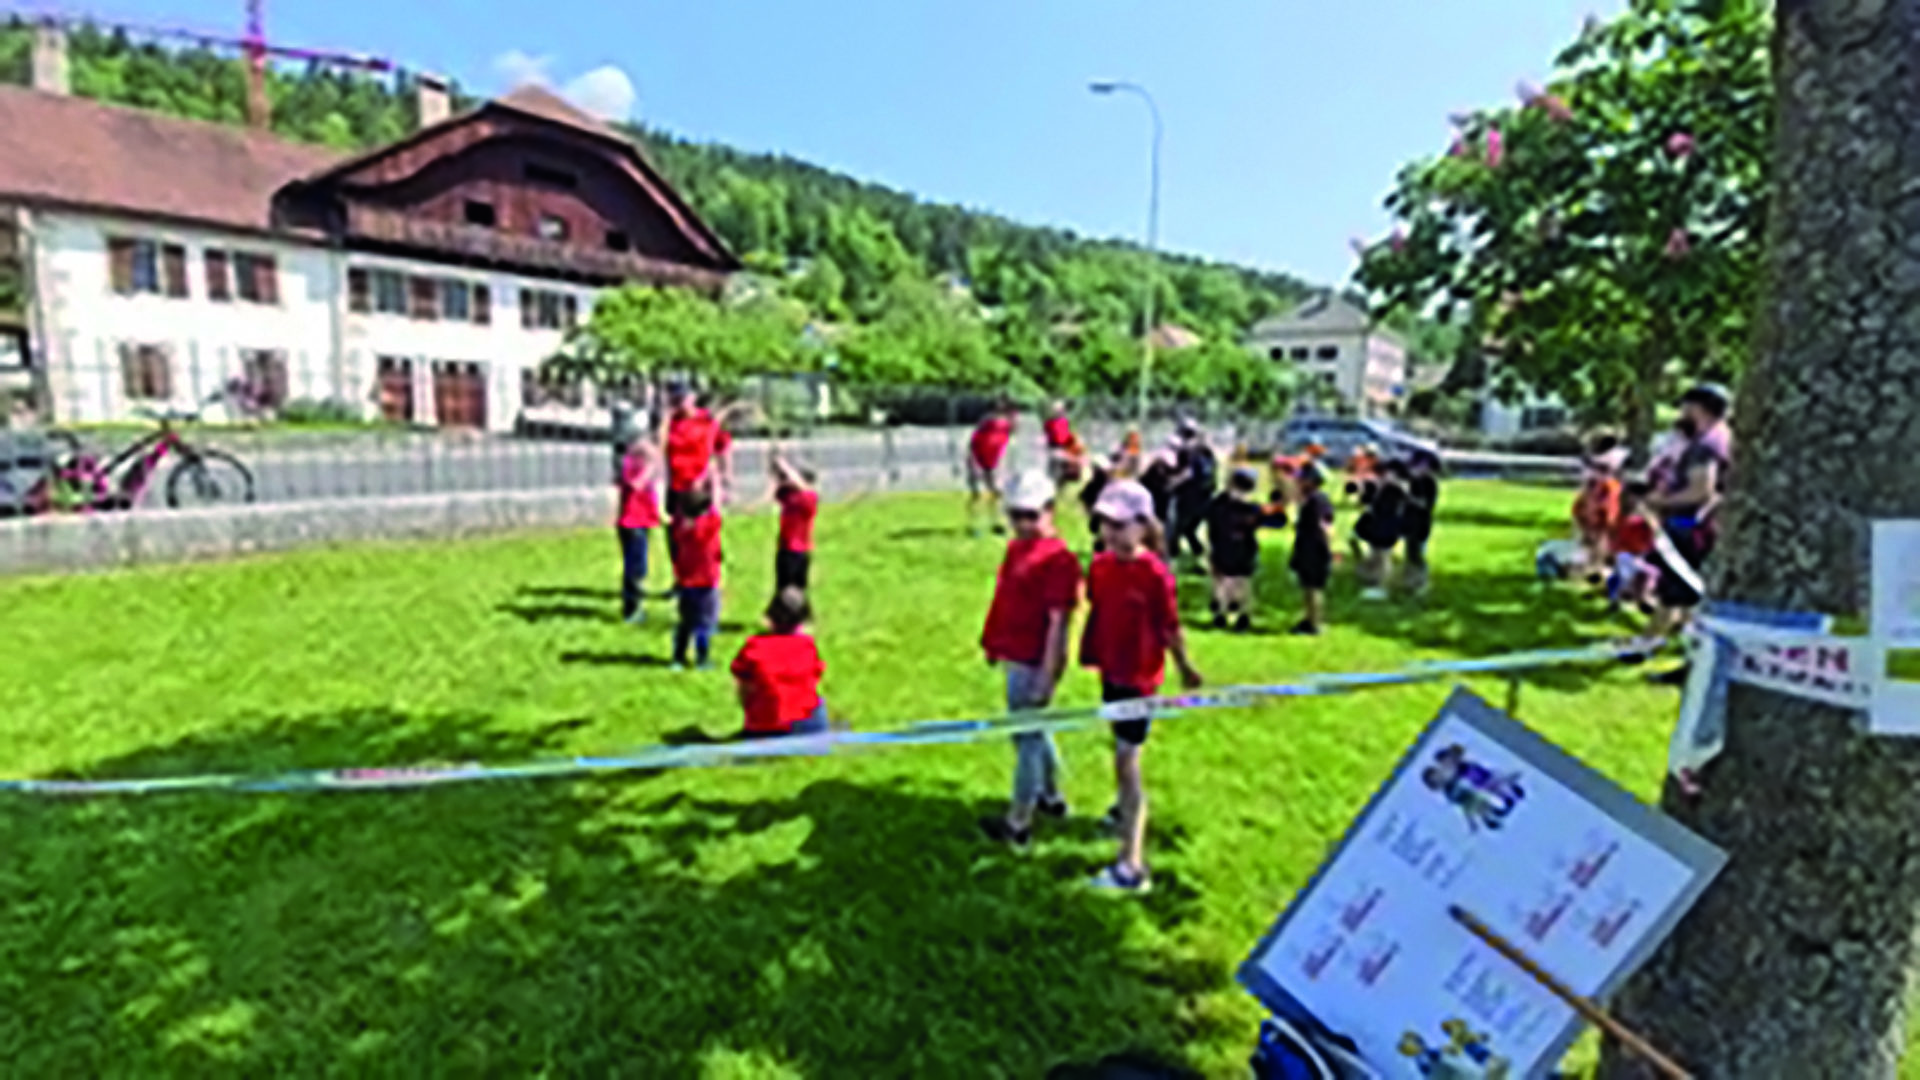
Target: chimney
x,y
50,59
433,99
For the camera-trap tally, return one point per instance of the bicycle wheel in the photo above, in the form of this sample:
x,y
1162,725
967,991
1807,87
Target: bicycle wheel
x,y
209,478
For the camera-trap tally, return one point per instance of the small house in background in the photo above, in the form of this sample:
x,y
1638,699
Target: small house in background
x,y
1331,339
1167,337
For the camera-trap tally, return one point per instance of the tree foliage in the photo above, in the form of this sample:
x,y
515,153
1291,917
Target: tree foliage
x,y
1602,236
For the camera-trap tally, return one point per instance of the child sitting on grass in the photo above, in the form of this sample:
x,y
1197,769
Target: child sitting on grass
x,y
1633,574
1233,538
696,576
778,673
799,505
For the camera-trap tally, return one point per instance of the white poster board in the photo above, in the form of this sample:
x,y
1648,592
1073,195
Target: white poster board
x,y
1552,856
1896,627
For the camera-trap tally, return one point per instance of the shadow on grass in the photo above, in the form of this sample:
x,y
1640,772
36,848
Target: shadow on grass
x,y
569,592
614,659
931,532
591,928
539,613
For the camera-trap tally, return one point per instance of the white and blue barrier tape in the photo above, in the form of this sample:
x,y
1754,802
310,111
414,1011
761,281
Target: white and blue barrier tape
x,y
656,758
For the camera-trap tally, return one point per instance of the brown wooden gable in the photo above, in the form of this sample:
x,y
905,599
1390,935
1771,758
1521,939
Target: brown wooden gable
x,y
525,182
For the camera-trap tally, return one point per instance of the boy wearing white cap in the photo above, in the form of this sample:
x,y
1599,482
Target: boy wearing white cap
x,y
1033,602
1133,623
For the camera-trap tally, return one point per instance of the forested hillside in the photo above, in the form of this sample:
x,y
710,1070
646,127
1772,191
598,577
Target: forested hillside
x,y
1059,312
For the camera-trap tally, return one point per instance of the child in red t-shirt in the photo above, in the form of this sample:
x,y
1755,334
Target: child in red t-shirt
x,y
799,505
1026,631
1633,574
778,673
639,513
696,576
1133,623
986,449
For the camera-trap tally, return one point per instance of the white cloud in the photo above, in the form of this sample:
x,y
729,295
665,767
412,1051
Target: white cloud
x,y
606,92
515,68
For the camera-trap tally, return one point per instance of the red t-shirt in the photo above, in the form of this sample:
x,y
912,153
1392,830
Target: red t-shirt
x,y
696,551
798,507
779,676
1634,535
990,441
639,503
1037,577
691,443
1132,613
1059,432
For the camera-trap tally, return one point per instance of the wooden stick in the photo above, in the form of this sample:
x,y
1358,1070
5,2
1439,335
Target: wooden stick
x,y
1586,1007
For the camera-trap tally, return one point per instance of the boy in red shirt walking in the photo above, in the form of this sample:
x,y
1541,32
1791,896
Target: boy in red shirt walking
x,y
696,576
639,513
1026,631
1133,623
799,505
985,451
778,673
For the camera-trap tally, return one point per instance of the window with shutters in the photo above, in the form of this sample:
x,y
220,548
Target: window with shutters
x,y
542,309
219,276
456,300
173,270
146,372
265,372
133,266
389,292
359,291
423,297
257,277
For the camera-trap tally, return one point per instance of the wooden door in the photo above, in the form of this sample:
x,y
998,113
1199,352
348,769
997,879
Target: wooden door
x,y
460,394
395,388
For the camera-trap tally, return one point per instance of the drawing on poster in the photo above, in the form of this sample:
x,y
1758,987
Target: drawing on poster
x,y
1484,815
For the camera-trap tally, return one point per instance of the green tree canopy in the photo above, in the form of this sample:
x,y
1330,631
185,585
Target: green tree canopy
x,y
1602,235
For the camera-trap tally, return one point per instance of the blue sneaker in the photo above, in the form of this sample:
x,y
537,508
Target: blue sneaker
x,y
1114,879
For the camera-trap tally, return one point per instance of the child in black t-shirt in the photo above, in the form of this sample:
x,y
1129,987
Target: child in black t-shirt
x,y
1233,536
1416,519
1312,560
1379,529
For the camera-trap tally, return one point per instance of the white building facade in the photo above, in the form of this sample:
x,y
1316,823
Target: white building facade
x,y
283,276
1332,341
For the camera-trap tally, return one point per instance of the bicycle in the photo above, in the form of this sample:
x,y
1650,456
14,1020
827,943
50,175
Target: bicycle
x,y
203,476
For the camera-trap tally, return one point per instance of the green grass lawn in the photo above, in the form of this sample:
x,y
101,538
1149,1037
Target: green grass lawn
x,y
810,917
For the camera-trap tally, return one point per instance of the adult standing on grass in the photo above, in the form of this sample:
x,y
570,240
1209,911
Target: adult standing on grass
x,y
1026,632
639,514
986,449
1686,496
1133,623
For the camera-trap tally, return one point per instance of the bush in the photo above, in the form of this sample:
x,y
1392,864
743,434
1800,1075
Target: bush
x,y
319,411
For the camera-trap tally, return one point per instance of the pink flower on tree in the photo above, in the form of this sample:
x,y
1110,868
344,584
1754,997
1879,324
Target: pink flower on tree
x,y
1679,244
1496,148
1459,147
1398,241
1680,144
1556,107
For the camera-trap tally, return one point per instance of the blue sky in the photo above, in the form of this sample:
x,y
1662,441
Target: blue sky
x,y
1285,119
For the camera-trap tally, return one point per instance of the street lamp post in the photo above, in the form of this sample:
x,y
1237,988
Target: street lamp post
x,y
1153,230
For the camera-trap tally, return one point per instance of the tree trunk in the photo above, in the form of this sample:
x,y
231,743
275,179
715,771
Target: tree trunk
x,y
1795,964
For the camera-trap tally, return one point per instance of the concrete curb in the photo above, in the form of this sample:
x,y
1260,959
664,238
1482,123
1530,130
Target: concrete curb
x,y
64,543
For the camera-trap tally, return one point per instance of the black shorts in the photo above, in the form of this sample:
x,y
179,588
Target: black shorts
x,y
790,569
1694,545
677,502
1127,732
1313,569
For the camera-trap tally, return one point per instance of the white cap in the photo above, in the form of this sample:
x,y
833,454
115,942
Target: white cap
x,y
1031,492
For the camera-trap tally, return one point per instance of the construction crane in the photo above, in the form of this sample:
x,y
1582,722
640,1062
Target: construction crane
x,y
253,46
